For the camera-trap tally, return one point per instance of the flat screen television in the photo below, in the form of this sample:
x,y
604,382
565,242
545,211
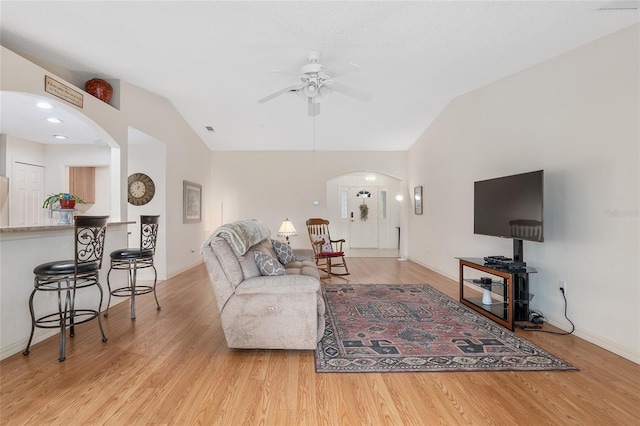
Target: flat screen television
x,y
510,207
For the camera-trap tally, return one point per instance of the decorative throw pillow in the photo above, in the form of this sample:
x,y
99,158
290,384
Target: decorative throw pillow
x,y
326,246
268,265
283,251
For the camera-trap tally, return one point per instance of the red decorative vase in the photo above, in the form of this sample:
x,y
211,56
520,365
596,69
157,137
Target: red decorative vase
x,y
99,88
67,204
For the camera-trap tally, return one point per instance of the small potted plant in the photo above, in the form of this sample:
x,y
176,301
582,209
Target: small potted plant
x,y
64,199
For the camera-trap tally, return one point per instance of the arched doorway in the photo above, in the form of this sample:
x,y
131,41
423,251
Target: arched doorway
x,y
363,211
43,138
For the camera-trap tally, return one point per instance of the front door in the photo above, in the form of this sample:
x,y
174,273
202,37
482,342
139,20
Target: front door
x,y
363,216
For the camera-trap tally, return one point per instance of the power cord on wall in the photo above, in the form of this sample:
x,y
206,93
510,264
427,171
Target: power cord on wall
x,y
538,318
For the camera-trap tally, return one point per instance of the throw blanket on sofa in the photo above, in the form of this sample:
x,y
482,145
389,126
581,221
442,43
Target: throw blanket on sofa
x,y
241,235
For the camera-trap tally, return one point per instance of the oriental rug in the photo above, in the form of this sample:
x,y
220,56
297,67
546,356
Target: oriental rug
x,y
414,327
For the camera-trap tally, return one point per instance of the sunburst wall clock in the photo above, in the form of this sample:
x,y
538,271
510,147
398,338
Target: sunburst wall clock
x,y
140,189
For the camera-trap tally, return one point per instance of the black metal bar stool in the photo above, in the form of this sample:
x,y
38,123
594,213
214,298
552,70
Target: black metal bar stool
x,y
67,276
132,259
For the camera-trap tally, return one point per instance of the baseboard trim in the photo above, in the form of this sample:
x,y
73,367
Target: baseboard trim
x,y
562,324
599,341
173,274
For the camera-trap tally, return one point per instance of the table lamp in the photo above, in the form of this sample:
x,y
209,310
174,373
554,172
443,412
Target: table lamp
x,y
287,230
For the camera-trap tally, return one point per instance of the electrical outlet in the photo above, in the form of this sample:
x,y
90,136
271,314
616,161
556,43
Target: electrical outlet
x,y
562,285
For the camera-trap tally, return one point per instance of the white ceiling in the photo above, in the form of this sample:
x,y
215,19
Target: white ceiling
x,y
211,59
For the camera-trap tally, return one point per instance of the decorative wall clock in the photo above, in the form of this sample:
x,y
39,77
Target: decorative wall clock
x,y
140,189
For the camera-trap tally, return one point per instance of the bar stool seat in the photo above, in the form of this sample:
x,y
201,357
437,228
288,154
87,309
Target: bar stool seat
x,y
131,253
65,277
133,259
64,267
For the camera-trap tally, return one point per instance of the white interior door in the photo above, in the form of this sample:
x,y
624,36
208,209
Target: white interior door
x,y
363,220
4,201
27,195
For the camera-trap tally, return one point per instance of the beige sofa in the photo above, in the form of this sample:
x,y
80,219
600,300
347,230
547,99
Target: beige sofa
x,y
256,311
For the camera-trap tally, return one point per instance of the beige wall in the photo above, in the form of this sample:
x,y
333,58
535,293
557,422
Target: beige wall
x,y
20,75
272,185
150,158
186,157
577,117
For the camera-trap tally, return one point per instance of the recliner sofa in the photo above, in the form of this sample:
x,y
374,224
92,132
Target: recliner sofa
x,y
284,311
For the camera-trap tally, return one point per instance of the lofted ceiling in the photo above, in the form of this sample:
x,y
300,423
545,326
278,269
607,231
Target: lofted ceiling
x,y
212,59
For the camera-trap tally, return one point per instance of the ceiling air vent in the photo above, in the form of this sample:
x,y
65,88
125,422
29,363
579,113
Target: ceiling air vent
x,y
209,129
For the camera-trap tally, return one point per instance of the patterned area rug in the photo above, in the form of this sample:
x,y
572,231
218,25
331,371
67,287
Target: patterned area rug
x,y
410,327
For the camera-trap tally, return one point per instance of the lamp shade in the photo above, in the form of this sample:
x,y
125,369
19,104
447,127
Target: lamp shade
x,y
287,229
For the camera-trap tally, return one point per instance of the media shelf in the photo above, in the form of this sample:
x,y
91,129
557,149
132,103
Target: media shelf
x,y
505,300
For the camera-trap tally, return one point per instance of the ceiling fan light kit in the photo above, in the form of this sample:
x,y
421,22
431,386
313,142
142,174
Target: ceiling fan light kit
x,y
315,85
311,89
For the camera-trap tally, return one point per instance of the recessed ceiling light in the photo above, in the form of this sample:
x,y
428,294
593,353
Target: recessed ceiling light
x,y
44,105
59,136
54,120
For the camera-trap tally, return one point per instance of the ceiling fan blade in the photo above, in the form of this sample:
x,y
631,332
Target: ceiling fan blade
x,y
345,69
293,88
351,92
314,107
284,72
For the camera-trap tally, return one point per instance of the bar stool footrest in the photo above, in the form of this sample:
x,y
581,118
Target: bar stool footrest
x,y
128,291
53,320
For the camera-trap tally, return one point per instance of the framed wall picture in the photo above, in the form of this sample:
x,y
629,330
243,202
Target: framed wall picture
x,y
192,202
417,199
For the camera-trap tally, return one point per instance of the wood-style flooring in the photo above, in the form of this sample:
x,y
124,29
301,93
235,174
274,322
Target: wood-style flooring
x,y
172,367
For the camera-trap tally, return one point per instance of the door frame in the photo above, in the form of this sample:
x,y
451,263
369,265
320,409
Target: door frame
x,y
388,231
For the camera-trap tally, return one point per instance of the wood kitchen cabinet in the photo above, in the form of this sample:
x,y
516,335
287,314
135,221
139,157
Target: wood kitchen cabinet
x,y
82,183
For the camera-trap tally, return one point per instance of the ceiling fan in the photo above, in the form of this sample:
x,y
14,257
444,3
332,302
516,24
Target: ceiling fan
x,y
315,84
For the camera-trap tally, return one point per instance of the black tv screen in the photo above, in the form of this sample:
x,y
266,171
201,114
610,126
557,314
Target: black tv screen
x,y
510,206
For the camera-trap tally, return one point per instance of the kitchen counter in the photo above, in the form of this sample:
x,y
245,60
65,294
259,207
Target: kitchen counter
x,y
22,248
52,227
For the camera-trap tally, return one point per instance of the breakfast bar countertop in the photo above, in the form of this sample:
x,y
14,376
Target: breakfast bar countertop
x,y
52,227
22,248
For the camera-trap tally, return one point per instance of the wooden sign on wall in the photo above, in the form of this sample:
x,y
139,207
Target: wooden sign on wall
x,y
63,91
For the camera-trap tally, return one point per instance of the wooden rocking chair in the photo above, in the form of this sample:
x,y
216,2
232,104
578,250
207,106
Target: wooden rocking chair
x,y
328,253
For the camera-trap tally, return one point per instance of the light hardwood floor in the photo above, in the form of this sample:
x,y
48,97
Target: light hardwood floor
x,y
173,367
